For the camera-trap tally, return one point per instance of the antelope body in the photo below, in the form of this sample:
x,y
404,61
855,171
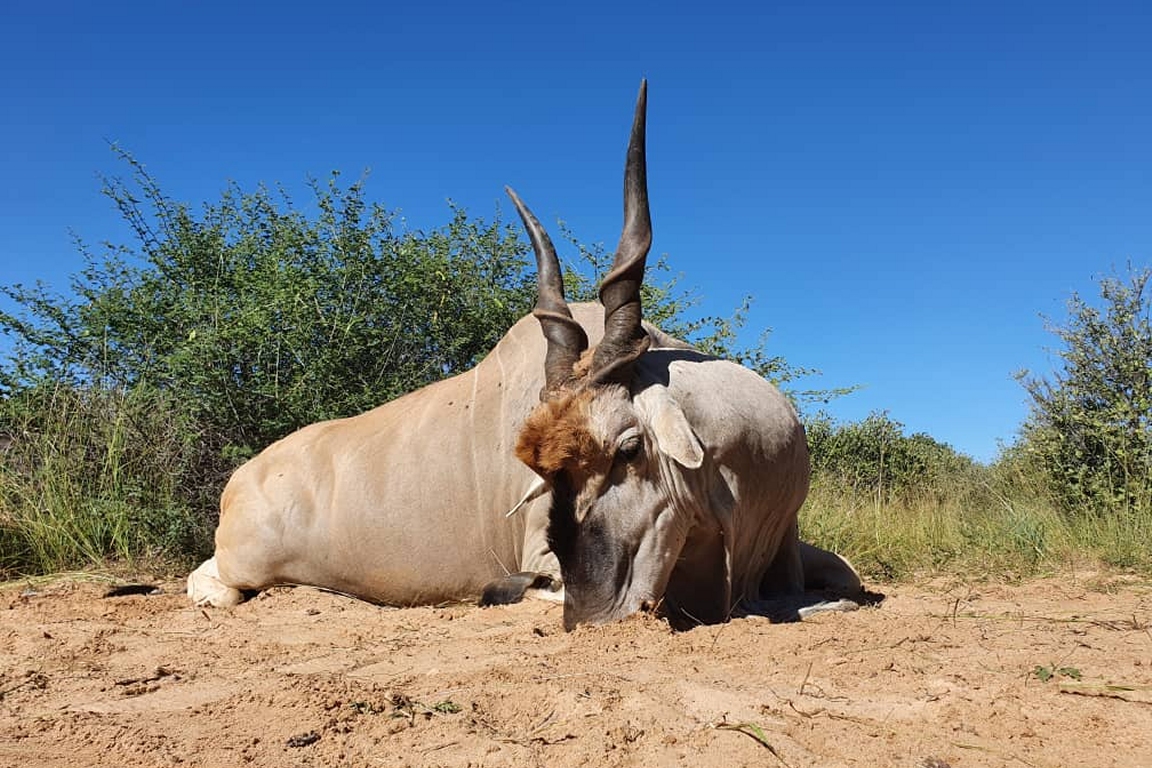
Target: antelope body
x,y
647,475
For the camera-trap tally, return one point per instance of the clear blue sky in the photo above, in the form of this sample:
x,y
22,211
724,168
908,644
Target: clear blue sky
x,y
903,188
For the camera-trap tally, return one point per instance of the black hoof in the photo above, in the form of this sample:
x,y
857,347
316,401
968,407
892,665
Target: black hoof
x,y
125,590
511,588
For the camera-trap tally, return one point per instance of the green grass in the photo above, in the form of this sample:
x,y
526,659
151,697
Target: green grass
x,y
976,534
90,477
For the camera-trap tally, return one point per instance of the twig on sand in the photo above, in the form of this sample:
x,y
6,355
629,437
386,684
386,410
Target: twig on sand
x,y
1136,694
1116,625
439,747
804,682
755,732
994,753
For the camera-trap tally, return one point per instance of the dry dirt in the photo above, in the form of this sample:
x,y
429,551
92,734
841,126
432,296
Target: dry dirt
x,y
937,675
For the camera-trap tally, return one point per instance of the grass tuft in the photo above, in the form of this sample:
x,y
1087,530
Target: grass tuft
x,y
92,476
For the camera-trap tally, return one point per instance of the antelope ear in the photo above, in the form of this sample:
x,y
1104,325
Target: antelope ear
x,y
670,427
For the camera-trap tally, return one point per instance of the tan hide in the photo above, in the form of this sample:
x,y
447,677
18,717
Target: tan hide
x,y
404,504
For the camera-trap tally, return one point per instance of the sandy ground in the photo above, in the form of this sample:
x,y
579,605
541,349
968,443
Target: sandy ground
x,y
938,675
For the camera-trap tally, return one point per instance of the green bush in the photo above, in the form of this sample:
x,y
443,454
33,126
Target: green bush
x,y
1089,432
873,458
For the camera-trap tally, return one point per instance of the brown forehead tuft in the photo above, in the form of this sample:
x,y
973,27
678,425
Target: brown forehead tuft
x,y
581,367
556,434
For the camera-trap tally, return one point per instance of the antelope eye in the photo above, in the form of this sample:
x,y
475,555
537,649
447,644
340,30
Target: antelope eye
x,y
629,449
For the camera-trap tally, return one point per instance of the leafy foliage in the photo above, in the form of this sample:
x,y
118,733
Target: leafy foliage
x,y
874,457
1046,673
1090,428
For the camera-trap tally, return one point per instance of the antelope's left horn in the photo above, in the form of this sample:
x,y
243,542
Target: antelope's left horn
x,y
566,339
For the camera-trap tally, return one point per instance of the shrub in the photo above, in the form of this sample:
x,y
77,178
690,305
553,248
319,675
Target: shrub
x,y
1089,432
